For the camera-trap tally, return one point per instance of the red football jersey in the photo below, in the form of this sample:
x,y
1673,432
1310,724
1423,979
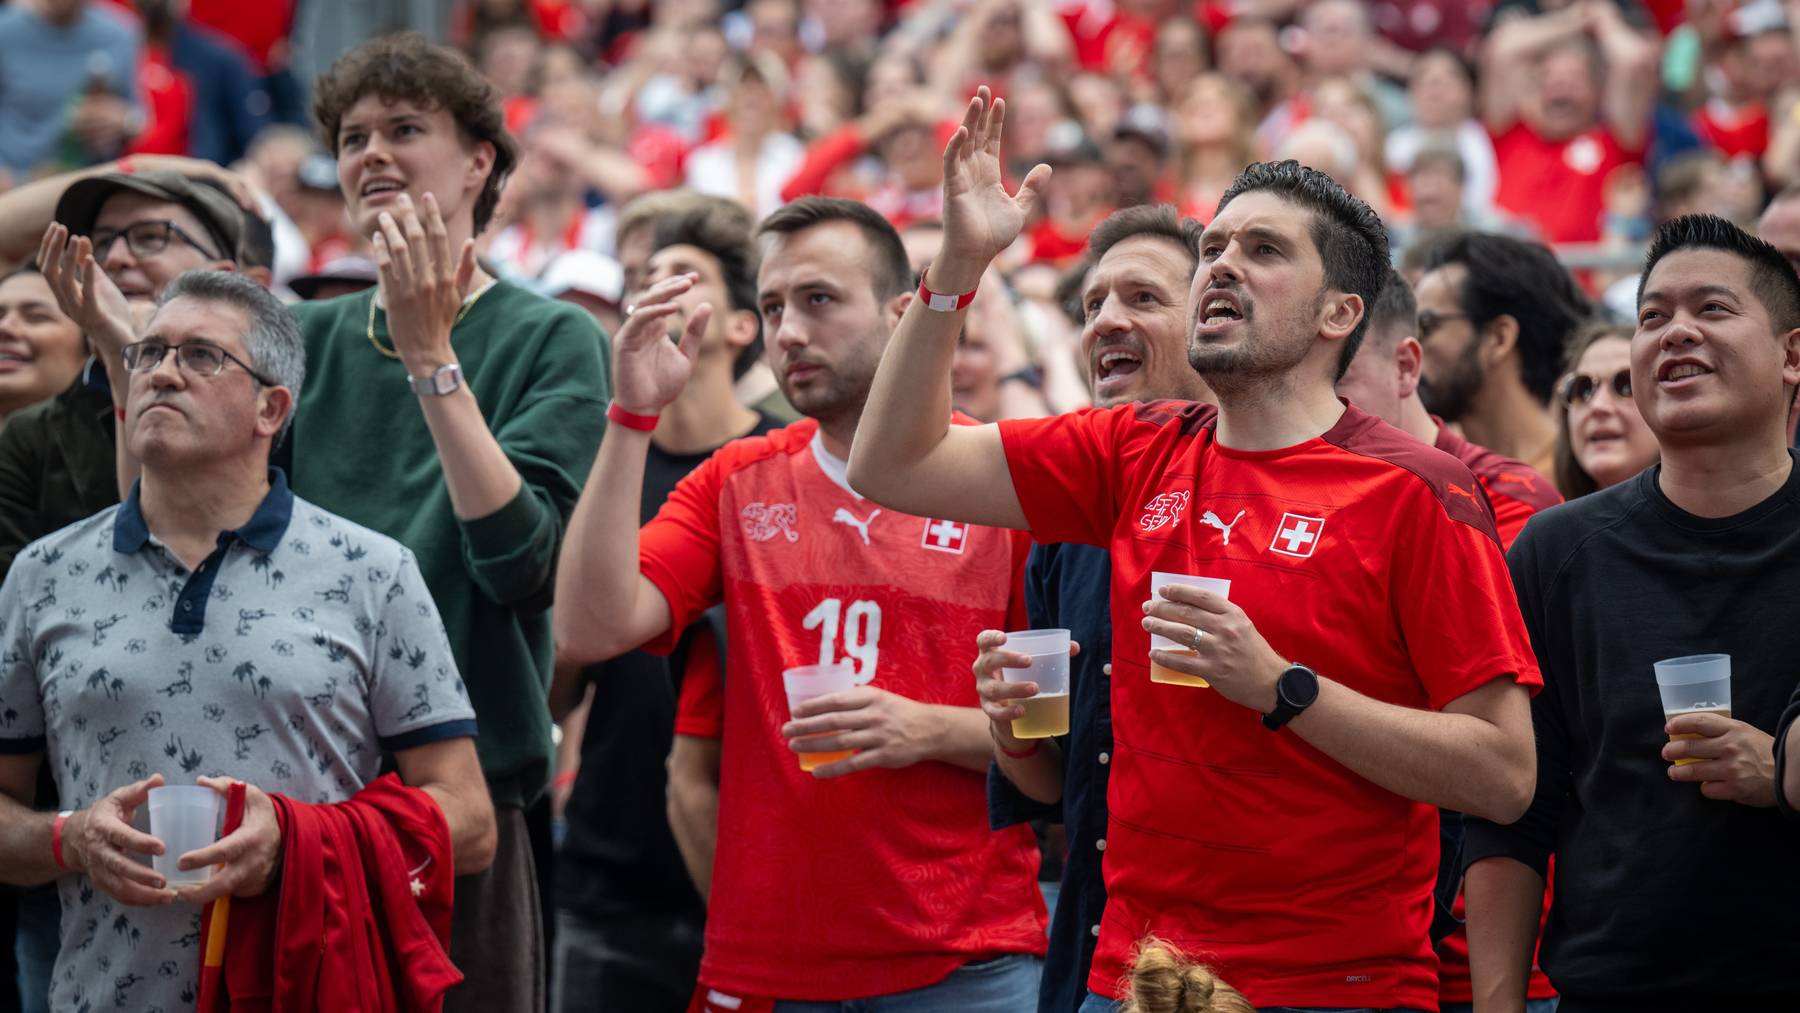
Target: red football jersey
x,y
1514,489
1363,553
1560,186
885,880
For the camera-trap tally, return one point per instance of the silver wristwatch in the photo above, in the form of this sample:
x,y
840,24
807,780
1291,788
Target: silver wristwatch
x,y
445,380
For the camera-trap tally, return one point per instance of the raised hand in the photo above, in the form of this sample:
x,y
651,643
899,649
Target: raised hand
x,y
649,370
86,295
980,217
423,283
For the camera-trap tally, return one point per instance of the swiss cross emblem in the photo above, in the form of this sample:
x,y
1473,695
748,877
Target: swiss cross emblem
x,y
945,536
1298,535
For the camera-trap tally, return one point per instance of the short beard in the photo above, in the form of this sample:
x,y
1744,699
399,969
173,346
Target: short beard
x,y
1451,399
1253,362
839,399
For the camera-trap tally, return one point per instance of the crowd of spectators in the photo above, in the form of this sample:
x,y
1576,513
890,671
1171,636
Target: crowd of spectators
x,y
1520,154
1581,124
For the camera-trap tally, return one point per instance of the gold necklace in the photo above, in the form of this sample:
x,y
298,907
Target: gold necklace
x,y
466,307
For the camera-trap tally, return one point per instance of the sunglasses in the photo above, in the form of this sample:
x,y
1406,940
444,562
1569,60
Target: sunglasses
x,y
1580,388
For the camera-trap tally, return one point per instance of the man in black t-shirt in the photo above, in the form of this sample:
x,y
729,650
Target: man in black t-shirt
x,y
1675,884
637,859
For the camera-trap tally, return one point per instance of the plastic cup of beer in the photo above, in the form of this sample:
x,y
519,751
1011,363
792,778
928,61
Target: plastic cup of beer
x,y
1158,580
185,818
1697,684
809,681
1047,713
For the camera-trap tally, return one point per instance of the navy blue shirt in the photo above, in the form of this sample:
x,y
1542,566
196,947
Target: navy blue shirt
x,y
1067,586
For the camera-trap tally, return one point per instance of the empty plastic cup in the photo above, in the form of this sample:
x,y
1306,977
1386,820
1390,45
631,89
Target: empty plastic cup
x,y
185,818
1047,713
809,681
1159,579
1697,684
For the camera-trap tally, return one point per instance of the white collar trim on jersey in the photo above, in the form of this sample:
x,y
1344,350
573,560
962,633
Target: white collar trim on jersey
x,y
835,468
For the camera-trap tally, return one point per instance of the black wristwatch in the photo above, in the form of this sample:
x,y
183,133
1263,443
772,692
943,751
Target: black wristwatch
x,y
1295,690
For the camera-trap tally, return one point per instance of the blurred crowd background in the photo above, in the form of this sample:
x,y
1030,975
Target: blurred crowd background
x,y
1582,124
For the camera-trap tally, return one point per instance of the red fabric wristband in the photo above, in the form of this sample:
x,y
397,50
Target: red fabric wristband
x,y
630,420
119,413
944,303
563,779
1022,754
56,829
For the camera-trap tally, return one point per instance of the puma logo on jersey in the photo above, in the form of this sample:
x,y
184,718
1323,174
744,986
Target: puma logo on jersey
x,y
844,516
1163,511
1212,520
763,521
1519,478
1452,487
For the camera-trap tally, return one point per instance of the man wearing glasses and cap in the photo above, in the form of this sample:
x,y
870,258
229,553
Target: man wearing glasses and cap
x,y
56,459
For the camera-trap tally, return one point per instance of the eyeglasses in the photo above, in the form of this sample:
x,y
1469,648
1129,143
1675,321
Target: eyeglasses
x,y
1430,322
145,239
1580,388
199,358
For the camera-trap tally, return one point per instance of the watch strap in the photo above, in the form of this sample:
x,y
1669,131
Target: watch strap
x,y
441,381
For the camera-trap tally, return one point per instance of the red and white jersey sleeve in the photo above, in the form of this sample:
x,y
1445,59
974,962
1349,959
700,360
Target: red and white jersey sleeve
x,y
884,880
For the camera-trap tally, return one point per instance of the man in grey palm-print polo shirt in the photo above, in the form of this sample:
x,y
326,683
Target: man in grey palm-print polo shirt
x,y
212,625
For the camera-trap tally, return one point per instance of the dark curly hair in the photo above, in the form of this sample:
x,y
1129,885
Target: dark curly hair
x,y
1351,240
405,67
1504,276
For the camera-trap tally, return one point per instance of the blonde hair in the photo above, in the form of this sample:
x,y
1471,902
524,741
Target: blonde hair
x,y
1164,981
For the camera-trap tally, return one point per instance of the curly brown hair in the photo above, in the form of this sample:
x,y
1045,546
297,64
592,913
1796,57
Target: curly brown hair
x,y
406,67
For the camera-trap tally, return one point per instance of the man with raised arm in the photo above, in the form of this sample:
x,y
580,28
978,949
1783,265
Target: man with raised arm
x,y
1280,820
874,878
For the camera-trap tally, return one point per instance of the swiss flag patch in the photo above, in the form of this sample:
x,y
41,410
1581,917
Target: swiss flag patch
x,y
945,536
1297,535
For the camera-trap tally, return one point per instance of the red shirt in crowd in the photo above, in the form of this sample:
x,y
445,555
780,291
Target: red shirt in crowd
x,y
1737,131
261,28
1514,489
1303,883
1559,186
885,880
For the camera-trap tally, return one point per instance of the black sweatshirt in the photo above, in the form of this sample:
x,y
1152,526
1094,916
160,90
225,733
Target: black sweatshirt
x,y
1664,898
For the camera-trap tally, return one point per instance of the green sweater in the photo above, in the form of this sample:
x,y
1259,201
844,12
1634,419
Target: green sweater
x,y
361,450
